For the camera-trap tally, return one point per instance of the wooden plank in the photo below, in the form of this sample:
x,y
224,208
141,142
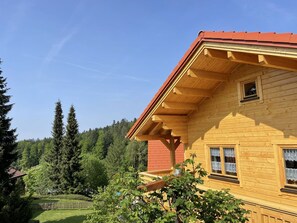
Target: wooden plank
x,y
169,118
151,137
179,106
220,54
278,62
242,57
192,92
208,75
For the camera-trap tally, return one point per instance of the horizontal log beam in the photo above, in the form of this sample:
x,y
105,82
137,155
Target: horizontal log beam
x,y
191,92
242,57
207,75
151,137
220,54
169,118
179,106
156,129
277,62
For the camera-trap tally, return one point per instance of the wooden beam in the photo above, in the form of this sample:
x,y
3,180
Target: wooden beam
x,y
220,54
192,92
169,118
151,137
149,129
207,75
156,129
171,146
179,106
277,62
179,133
174,125
242,57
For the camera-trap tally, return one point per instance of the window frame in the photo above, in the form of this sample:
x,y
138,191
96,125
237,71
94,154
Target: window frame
x,y
223,176
280,165
241,90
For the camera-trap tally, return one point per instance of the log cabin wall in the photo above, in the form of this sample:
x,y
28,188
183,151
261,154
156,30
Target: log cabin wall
x,y
258,130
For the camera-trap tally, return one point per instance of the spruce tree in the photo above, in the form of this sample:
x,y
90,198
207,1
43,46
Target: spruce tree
x,y
99,147
8,144
54,155
12,207
71,179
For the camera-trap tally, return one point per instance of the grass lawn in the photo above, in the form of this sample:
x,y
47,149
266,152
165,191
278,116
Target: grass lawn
x,y
61,216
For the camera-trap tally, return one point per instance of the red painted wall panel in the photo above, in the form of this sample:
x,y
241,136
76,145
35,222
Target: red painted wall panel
x,y
159,155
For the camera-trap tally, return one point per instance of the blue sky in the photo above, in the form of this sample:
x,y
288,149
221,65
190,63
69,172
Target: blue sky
x,y
109,57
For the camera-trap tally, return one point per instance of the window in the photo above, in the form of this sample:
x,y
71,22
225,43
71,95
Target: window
x,y
223,163
290,163
249,89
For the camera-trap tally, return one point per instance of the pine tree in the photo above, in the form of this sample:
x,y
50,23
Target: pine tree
x,y
71,179
54,155
115,157
99,147
12,207
8,144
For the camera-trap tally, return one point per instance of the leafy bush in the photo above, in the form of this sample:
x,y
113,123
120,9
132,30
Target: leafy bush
x,y
94,172
36,180
180,200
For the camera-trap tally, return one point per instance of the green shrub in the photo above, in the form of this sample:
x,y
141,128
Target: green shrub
x,y
180,200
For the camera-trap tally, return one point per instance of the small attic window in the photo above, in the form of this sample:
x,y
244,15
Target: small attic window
x,y
250,89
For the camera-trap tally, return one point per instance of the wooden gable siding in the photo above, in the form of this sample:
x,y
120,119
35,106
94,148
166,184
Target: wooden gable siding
x,y
255,128
159,155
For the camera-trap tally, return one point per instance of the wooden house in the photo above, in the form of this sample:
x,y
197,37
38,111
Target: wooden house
x,y
159,156
232,100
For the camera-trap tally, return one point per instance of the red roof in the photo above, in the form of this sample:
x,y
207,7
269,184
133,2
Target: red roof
x,y
15,173
285,40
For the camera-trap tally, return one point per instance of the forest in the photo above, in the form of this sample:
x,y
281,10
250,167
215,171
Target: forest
x,y
104,151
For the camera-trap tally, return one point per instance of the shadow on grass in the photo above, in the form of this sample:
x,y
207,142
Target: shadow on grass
x,y
36,213
72,219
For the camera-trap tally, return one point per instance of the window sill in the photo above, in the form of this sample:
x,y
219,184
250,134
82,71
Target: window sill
x,y
224,178
249,99
289,189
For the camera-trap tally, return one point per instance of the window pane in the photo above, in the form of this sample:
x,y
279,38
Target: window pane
x,y
230,162
290,156
215,160
250,89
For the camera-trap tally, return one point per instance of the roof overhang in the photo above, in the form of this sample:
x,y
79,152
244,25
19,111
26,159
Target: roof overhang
x,y
208,63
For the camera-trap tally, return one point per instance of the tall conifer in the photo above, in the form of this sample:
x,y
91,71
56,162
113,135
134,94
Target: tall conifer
x,y
7,140
12,207
71,179
54,156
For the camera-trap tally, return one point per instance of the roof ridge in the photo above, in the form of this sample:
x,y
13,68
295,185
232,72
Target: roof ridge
x,y
267,37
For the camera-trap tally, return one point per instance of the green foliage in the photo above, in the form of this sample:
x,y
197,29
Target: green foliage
x,y
180,200
7,140
12,207
99,150
54,156
107,144
32,152
115,157
36,180
71,179
94,172
136,155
